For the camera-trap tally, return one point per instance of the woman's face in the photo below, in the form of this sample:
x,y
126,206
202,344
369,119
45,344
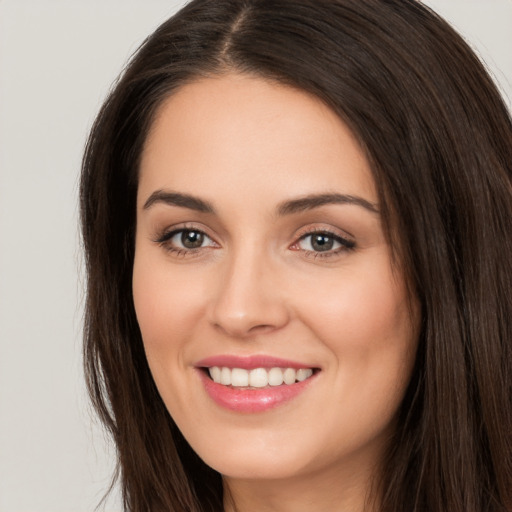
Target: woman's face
x,y
260,257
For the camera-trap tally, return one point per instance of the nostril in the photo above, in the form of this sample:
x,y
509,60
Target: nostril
x,y
247,305
262,328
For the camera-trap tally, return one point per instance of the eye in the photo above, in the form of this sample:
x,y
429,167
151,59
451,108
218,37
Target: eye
x,y
184,240
189,239
323,243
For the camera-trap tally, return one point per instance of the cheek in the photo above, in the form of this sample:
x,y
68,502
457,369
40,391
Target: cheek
x,y
364,306
166,308
365,320
167,305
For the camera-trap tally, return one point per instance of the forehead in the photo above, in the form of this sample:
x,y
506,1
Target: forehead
x,y
241,133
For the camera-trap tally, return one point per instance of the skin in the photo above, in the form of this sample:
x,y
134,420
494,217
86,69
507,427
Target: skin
x,y
257,285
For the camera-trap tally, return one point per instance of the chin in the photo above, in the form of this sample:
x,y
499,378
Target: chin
x,y
257,466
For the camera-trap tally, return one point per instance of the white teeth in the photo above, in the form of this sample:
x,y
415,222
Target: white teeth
x,y
258,377
239,377
225,376
304,373
215,374
289,376
275,376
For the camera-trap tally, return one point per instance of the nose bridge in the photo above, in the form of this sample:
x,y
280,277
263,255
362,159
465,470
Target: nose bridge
x,y
247,299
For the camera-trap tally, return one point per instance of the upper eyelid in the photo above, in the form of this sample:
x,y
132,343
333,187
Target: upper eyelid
x,y
325,232
170,231
164,241
336,232
343,240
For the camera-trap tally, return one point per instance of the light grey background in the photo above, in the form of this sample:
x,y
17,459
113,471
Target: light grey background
x,y
57,61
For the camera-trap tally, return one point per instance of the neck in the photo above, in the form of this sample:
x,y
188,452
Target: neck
x,y
332,492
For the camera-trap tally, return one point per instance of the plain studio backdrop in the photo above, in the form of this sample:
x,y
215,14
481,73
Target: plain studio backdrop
x,y
57,61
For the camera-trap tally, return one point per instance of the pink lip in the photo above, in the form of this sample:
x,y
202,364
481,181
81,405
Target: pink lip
x,y
246,400
249,362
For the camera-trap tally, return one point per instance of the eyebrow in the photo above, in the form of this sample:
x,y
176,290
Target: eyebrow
x,y
177,199
290,207
312,201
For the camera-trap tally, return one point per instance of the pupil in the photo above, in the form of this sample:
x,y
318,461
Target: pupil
x,y
192,239
322,243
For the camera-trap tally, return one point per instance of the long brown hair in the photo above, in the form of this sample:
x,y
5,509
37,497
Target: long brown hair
x,y
439,140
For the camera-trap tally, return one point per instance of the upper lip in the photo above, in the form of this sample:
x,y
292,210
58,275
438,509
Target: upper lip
x,y
249,362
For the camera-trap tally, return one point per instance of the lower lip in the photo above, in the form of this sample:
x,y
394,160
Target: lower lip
x,y
255,399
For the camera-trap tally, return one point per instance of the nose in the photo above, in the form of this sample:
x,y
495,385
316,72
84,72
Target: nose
x,y
249,299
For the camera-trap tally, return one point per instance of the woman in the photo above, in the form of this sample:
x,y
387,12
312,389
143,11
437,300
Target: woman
x,y
296,216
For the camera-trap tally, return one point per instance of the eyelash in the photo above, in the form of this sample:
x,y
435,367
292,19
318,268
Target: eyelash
x,y
167,236
346,245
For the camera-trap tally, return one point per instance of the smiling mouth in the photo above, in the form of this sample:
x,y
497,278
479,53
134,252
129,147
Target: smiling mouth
x,y
258,378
